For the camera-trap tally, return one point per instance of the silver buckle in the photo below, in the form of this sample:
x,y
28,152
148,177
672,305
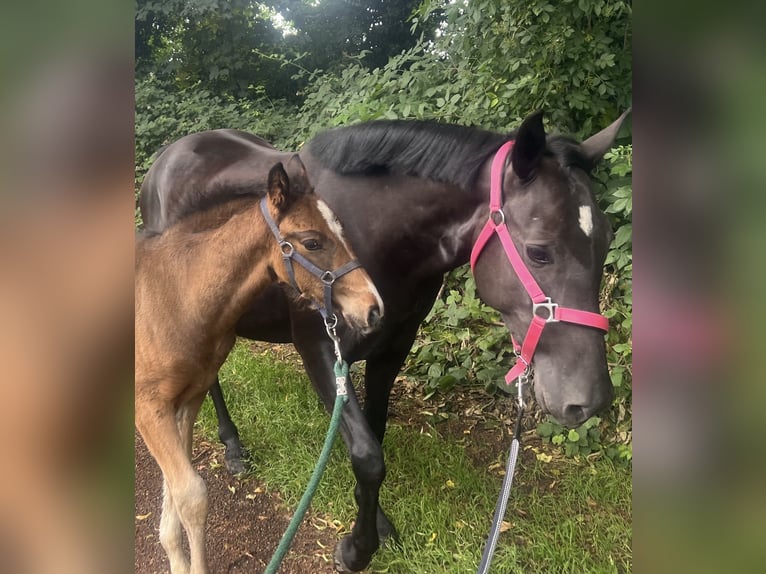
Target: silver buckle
x,y
549,306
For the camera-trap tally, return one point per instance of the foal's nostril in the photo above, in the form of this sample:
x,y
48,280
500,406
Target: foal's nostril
x,y
374,316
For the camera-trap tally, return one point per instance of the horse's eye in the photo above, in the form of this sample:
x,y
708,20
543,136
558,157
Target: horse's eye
x,y
311,244
539,254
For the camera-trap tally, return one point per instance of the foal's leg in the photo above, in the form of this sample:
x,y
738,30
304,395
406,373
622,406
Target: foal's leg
x,y
355,551
171,531
185,496
194,514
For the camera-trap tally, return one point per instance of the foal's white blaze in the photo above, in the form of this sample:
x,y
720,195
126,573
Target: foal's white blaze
x,y
332,221
586,220
337,229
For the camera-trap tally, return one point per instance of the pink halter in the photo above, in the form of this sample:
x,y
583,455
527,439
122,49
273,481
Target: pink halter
x,y
555,313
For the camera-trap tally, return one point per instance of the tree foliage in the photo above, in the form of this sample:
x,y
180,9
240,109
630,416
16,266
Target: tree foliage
x,y
224,44
240,47
331,31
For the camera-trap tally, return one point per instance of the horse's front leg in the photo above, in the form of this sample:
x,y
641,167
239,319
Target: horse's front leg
x,y
355,551
379,378
382,368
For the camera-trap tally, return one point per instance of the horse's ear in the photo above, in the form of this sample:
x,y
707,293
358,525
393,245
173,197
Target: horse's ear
x,y
529,147
280,193
597,145
299,180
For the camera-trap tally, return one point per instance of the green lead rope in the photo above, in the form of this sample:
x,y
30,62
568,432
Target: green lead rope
x,y
341,375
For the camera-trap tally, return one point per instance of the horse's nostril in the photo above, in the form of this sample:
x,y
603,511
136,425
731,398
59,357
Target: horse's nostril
x,y
575,415
374,316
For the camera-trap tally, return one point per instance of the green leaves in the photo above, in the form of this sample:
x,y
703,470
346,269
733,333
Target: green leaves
x,y
582,441
615,198
461,342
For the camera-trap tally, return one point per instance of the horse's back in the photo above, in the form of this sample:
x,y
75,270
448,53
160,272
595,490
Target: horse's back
x,y
203,168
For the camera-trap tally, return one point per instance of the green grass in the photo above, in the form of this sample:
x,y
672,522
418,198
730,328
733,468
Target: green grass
x,y
565,515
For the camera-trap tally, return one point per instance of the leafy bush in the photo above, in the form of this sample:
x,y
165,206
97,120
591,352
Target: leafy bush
x,y
164,114
584,440
617,291
461,341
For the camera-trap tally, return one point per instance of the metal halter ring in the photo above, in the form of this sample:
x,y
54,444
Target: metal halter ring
x,y
328,278
330,323
287,248
497,217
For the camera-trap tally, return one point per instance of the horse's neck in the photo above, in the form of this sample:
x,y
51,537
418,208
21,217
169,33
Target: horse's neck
x,y
428,227
463,230
446,225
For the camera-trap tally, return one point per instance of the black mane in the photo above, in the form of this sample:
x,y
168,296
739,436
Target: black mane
x,y
442,152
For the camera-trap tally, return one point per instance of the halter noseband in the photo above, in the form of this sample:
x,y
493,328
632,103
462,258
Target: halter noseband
x,y
554,312
328,278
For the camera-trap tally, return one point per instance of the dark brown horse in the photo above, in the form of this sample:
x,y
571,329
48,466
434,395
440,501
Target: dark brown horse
x,y
193,283
413,198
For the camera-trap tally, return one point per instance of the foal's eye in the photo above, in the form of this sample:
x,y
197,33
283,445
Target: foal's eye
x,y
311,244
539,254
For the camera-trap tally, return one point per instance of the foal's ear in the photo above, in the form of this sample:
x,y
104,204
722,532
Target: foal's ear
x,y
597,145
529,147
279,188
284,188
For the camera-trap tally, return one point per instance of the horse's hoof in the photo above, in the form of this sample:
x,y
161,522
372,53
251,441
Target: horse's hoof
x,y
236,467
345,553
389,539
236,464
340,565
387,533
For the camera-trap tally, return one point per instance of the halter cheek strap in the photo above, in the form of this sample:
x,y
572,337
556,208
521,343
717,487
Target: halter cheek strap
x,y
553,313
328,278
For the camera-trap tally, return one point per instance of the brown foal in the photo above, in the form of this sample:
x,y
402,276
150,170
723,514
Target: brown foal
x,y
193,282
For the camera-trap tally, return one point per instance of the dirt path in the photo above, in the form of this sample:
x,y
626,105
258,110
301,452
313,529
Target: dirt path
x,y
244,526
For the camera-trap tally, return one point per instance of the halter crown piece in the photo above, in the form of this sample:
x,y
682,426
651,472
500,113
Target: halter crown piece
x,y
553,312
